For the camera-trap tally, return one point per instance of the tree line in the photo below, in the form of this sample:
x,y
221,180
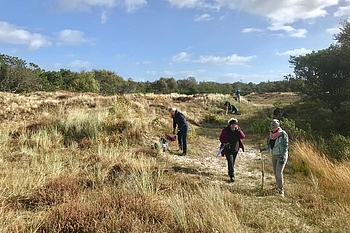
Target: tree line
x,y
18,76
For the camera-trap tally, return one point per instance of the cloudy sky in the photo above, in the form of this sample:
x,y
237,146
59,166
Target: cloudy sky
x,y
212,40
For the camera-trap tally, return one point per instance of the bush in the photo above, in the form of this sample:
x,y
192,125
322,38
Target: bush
x,y
293,131
262,125
338,147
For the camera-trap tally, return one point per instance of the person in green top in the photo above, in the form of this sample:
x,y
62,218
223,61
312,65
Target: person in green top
x,y
277,143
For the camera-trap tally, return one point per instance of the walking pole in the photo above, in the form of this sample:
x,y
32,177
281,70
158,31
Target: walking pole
x,y
262,171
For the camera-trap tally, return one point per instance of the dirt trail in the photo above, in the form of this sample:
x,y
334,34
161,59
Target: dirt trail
x,y
247,166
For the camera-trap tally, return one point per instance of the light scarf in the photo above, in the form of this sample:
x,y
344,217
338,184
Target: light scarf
x,y
274,135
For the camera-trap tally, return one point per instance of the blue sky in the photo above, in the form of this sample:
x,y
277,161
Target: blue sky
x,y
211,40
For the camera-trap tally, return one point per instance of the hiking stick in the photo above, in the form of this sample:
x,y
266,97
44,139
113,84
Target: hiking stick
x,y
262,171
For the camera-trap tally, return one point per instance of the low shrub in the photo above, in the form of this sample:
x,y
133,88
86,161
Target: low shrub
x,y
337,147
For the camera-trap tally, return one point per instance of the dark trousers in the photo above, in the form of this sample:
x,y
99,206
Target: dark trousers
x,y
231,158
182,139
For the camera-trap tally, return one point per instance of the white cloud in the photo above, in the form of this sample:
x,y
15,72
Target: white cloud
x,y
12,34
85,5
71,37
248,30
182,73
333,31
201,4
278,12
79,64
290,30
295,52
299,33
181,57
234,59
132,5
143,63
203,17
104,17
343,11
282,12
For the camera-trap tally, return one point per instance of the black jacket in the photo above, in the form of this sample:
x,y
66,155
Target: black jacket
x,y
179,120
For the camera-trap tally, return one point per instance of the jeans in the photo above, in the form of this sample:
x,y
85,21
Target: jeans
x,y
182,139
231,158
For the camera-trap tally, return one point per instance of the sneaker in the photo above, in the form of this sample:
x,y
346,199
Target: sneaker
x,y
281,192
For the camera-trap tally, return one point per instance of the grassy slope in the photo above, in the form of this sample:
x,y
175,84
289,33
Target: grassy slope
x,y
84,163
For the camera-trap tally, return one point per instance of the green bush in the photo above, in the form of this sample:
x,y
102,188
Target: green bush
x,y
262,125
338,147
293,131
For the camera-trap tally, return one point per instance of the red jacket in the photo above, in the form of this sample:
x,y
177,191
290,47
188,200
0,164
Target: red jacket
x,y
223,139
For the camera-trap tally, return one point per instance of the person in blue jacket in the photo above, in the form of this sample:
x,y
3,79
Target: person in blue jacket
x,y
238,95
180,122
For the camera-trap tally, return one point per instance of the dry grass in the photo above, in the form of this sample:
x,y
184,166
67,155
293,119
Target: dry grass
x,y
331,178
84,163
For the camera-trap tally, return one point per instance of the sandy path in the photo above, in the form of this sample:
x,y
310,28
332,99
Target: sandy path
x,y
247,166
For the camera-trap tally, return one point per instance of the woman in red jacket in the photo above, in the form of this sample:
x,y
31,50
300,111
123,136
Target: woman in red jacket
x,y
232,136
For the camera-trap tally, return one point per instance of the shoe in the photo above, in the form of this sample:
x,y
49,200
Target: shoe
x,y
183,154
281,192
232,179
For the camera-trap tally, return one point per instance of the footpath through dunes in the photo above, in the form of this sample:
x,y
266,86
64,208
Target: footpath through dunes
x,y
202,161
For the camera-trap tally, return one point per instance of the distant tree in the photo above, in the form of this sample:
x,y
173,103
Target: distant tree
x,y
81,82
52,81
187,86
161,85
172,85
17,76
108,81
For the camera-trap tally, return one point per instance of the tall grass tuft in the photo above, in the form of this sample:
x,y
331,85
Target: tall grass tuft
x,y
79,125
332,178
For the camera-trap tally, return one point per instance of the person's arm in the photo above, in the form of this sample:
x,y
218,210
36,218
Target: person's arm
x,y
174,124
241,134
284,142
223,136
267,147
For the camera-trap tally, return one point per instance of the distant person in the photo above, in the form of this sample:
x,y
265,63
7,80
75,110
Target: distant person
x,y
180,122
277,143
231,108
234,110
228,107
238,95
285,113
277,113
232,136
